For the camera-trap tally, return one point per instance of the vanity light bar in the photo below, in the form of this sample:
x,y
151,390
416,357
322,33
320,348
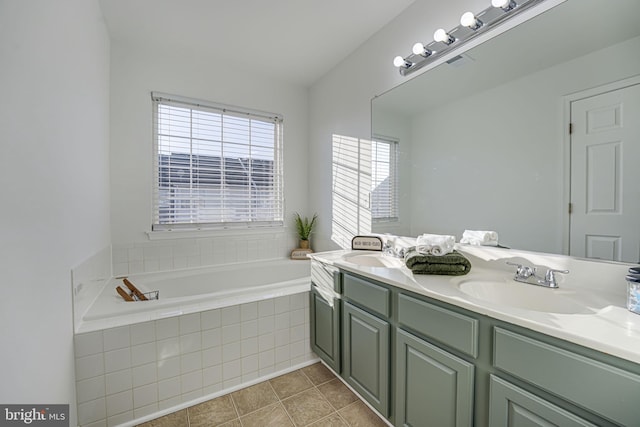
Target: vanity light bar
x,y
470,27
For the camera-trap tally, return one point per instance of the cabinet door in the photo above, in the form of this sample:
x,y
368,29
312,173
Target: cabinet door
x,y
366,356
512,406
325,327
433,387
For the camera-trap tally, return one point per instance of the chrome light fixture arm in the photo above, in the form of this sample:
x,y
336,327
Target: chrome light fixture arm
x,y
471,26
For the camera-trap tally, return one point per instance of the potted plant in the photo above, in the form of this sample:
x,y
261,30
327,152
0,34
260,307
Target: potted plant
x,y
304,227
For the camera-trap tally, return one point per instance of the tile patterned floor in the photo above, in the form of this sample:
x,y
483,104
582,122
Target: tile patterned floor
x,y
311,396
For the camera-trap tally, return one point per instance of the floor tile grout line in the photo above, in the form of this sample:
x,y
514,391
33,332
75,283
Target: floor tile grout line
x,y
317,389
329,416
235,407
335,410
331,404
312,382
257,410
326,400
260,408
304,391
313,386
280,402
284,408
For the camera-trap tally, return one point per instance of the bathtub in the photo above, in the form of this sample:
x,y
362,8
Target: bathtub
x,y
213,330
195,290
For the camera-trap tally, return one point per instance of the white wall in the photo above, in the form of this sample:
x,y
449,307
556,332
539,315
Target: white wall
x,y
55,189
340,102
135,73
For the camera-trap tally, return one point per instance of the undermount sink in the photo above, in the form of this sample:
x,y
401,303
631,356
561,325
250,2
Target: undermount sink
x,y
534,298
373,259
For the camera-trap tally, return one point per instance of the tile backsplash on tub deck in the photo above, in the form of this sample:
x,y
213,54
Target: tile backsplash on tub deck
x,y
129,372
164,255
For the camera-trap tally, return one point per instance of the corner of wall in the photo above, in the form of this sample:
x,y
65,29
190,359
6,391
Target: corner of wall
x,y
87,280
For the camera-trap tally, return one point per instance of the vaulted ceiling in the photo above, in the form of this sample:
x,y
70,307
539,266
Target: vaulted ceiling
x,y
296,40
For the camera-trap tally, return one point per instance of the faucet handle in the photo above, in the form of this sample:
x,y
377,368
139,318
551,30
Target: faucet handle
x,y
550,276
523,272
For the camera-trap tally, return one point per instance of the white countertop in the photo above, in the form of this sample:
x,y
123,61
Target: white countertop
x,y
609,328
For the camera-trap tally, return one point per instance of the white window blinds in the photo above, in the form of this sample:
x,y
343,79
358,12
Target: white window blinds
x,y
351,171
215,166
384,179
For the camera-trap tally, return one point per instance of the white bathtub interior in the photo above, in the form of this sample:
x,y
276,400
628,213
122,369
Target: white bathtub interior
x,y
192,290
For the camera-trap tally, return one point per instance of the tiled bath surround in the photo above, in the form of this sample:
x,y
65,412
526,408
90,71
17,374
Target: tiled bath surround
x,y
133,371
164,255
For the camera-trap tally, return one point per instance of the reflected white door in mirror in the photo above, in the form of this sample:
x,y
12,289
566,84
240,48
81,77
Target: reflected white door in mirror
x,y
605,177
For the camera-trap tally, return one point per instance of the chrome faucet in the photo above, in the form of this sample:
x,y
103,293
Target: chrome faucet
x,y
529,275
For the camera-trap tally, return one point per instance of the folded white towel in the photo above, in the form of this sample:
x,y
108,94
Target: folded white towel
x,y
479,238
435,244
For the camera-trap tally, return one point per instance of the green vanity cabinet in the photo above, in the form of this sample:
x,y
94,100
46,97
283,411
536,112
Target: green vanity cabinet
x,y
423,362
366,349
325,327
574,375
511,406
433,387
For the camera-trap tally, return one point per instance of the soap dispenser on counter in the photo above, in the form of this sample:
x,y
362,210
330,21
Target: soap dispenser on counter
x,y
633,290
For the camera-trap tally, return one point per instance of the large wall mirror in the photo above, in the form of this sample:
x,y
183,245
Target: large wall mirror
x,y
484,141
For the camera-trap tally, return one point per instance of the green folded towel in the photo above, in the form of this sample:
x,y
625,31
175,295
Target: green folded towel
x,y
451,264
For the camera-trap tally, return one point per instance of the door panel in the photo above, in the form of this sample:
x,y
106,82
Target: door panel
x,y
325,327
366,356
605,172
511,406
433,387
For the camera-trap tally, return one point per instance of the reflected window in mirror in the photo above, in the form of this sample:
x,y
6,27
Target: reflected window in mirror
x,y
350,189
384,179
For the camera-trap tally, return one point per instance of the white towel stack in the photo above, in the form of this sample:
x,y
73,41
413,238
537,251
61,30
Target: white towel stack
x,y
435,244
479,238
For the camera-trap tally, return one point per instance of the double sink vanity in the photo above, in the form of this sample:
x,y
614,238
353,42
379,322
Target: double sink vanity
x,y
480,349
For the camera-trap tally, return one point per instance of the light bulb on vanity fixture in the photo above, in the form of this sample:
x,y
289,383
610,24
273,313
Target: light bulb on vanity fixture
x,y
420,49
400,62
468,19
480,24
442,36
505,5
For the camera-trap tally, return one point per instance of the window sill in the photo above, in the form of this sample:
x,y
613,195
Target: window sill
x,y
192,234
385,220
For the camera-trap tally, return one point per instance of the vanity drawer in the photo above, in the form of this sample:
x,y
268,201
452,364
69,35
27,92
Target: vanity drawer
x,y
326,276
367,294
579,379
456,330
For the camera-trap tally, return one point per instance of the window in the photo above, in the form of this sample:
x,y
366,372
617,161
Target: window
x,y
215,166
384,179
